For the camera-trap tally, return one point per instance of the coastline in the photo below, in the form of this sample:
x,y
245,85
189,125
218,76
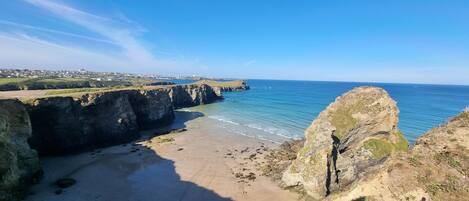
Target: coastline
x,y
200,163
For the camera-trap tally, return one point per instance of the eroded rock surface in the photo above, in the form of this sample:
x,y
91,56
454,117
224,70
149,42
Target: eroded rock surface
x,y
153,108
353,135
192,95
19,164
436,168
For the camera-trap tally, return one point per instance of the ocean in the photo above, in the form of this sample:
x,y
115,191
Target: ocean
x,y
279,110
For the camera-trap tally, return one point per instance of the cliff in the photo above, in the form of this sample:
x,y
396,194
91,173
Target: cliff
x,y
78,121
69,124
192,95
19,164
226,86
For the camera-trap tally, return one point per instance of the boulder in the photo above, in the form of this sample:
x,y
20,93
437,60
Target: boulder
x,y
353,135
65,182
19,164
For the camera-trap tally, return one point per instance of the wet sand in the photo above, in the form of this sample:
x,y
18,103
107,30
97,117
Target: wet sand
x,y
202,163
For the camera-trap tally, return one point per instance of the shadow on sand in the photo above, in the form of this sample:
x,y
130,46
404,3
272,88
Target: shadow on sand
x,y
181,117
158,180
128,172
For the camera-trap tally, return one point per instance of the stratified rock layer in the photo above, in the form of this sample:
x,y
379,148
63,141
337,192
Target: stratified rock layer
x,y
355,134
19,164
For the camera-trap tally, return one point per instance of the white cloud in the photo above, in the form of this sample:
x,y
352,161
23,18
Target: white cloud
x,y
22,50
114,31
52,31
118,47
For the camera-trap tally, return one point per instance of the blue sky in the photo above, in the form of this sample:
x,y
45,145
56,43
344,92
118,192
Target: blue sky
x,y
407,41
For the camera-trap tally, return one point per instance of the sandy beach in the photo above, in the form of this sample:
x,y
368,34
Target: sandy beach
x,y
199,162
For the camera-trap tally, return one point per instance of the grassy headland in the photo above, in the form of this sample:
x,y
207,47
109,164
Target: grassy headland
x,y
235,85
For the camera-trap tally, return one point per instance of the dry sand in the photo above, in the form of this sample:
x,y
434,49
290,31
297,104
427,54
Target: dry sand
x,y
203,163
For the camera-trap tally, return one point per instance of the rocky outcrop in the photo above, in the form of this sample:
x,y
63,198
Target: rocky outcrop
x,y
226,86
354,135
19,164
192,95
76,122
69,124
436,168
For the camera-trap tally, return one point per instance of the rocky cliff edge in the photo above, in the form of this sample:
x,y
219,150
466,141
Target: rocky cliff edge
x,y
19,164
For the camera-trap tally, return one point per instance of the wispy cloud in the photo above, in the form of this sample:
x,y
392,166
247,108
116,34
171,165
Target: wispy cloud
x,y
88,40
30,51
53,31
115,31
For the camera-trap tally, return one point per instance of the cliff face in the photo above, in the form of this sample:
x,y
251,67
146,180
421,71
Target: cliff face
x,y
68,124
153,108
355,134
19,164
192,95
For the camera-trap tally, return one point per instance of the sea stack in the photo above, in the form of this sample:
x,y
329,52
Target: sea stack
x,y
352,136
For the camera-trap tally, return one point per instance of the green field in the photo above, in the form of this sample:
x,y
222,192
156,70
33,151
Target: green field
x,y
11,84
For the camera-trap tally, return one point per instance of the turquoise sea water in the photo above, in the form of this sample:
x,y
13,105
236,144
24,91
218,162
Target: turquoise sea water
x,y
279,110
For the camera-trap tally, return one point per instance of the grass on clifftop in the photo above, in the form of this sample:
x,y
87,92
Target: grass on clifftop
x,y
12,80
213,83
70,91
8,84
26,81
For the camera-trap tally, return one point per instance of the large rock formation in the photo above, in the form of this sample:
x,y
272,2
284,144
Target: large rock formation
x,y
19,164
354,135
68,124
75,122
436,168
